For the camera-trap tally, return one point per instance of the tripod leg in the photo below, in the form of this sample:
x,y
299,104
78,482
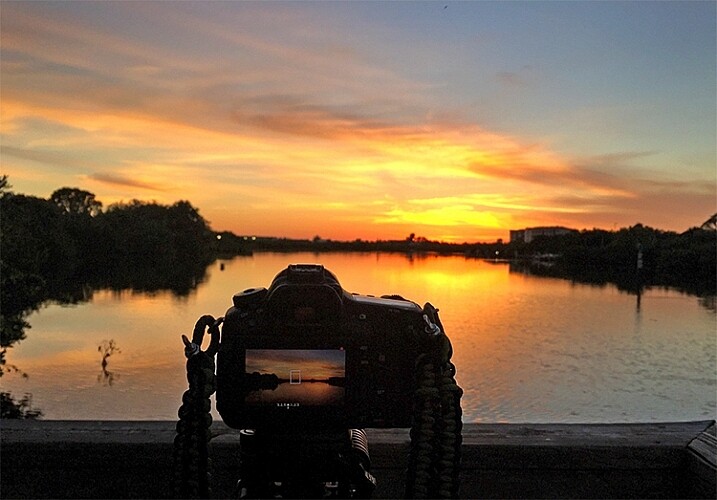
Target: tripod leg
x,y
334,465
254,469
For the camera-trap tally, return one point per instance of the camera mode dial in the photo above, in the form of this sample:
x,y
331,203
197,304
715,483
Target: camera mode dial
x,y
249,298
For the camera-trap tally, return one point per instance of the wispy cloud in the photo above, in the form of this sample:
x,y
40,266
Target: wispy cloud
x,y
270,114
57,158
121,180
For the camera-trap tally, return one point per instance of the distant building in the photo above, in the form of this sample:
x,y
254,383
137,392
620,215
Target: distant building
x,y
530,233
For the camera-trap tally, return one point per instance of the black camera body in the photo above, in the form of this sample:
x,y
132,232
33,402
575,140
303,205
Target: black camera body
x,y
306,355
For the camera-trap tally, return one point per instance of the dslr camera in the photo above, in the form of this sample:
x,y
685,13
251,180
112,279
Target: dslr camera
x,y
306,354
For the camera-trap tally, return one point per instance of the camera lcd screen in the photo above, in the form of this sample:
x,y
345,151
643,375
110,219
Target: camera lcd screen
x,y
295,377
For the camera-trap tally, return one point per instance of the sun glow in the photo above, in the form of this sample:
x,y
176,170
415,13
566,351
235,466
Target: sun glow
x,y
394,178
271,131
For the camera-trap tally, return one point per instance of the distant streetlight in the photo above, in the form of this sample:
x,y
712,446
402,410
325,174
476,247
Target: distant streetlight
x,y
219,236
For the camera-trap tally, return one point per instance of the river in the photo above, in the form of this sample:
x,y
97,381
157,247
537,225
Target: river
x,y
526,348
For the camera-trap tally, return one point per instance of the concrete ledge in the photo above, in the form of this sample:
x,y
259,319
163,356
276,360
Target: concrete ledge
x,y
702,463
89,459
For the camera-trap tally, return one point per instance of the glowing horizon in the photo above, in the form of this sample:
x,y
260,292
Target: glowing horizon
x,y
297,120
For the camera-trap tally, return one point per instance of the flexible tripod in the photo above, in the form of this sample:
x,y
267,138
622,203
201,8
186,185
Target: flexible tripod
x,y
326,464
298,465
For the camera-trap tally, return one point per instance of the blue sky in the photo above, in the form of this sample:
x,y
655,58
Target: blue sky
x,y
452,120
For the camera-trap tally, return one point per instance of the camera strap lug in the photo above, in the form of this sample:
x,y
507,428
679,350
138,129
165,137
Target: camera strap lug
x,y
431,328
190,348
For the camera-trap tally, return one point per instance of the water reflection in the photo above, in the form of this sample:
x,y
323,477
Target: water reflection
x,y
709,302
307,393
107,348
31,292
527,347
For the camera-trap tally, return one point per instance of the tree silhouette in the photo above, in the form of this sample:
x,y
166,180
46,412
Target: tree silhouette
x,y
4,184
76,201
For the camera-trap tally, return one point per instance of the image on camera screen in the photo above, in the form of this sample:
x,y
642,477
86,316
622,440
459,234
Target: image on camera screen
x,y
295,377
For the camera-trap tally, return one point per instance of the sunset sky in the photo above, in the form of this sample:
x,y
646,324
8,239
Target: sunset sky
x,y
451,120
312,364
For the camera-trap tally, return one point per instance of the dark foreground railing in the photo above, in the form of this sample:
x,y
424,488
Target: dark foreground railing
x,y
89,459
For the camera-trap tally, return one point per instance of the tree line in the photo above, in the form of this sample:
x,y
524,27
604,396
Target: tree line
x,y
687,260
64,247
631,257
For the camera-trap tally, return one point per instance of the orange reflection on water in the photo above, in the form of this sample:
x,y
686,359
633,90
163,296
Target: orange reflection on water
x,y
303,394
526,348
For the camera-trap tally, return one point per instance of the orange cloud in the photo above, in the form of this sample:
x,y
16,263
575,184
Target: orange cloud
x,y
273,137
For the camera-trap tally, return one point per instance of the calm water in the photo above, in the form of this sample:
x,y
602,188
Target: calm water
x,y
527,349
